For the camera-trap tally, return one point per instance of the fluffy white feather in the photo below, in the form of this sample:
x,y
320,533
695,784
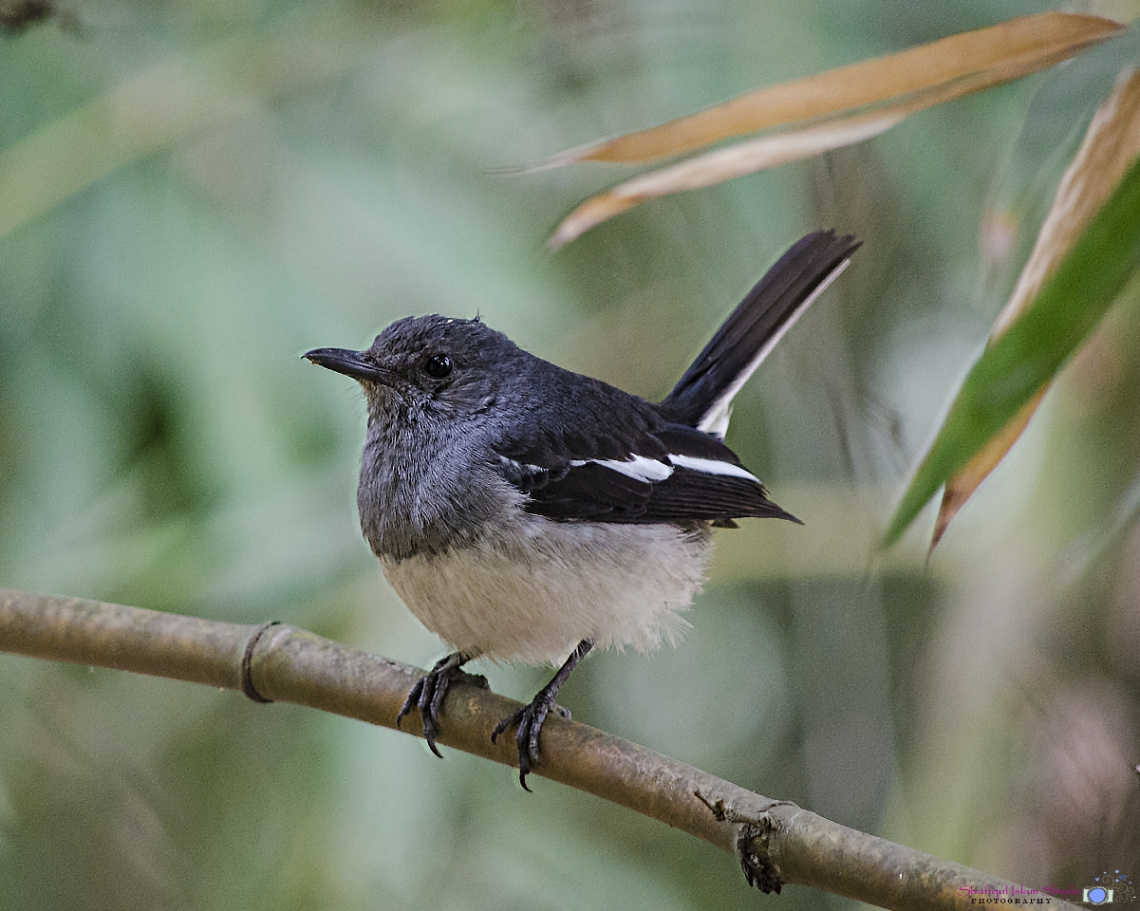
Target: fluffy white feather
x,y
615,584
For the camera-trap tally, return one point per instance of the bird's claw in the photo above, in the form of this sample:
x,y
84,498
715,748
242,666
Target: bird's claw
x,y
429,691
530,719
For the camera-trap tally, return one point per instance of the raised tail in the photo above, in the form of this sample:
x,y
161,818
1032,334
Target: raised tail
x,y
703,395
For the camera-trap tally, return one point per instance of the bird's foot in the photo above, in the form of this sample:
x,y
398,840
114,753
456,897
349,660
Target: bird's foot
x,y
428,693
530,720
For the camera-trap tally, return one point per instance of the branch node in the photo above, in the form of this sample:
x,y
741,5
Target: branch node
x,y
756,828
246,673
716,807
752,851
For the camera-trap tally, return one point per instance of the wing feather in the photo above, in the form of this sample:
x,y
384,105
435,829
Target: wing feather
x,y
690,476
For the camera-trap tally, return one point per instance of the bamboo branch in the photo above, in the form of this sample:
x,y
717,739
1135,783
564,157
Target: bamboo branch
x,y
776,842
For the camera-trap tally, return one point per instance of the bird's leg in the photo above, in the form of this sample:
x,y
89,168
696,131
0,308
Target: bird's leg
x,y
530,718
427,695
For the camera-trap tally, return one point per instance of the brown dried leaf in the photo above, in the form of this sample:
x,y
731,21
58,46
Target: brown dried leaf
x,y
880,92
1000,52
721,165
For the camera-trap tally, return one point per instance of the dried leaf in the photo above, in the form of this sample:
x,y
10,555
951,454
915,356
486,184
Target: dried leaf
x,y
1004,51
721,165
839,107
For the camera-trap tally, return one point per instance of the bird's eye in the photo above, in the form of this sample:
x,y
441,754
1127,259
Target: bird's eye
x,y
438,366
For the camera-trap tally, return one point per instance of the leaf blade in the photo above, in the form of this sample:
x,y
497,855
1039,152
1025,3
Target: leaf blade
x,y
1016,47
1111,141
721,165
1020,362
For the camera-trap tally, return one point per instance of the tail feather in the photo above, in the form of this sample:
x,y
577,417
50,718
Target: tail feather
x,y
703,395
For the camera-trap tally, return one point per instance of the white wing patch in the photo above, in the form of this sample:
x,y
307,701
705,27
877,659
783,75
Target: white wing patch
x,y
637,467
712,466
652,471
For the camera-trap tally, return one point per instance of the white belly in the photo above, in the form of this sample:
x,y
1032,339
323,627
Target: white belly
x,y
558,583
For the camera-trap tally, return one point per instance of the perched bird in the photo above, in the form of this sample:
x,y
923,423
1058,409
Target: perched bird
x,y
526,513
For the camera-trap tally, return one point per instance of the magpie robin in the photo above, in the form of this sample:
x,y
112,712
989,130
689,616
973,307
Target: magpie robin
x,y
524,512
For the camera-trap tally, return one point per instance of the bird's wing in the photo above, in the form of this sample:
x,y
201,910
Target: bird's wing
x,y
647,470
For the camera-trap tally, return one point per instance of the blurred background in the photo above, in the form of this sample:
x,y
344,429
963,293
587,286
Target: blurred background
x,y
193,194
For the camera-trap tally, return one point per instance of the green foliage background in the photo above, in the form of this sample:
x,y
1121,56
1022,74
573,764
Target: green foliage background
x,y
193,194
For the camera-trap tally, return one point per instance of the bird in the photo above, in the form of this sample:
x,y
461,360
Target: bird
x,y
527,513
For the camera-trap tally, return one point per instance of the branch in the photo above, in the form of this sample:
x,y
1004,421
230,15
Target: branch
x,y
776,842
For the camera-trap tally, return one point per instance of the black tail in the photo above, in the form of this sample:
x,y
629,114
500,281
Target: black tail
x,y
702,396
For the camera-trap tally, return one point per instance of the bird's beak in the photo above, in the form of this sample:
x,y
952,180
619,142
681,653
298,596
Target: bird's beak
x,y
350,363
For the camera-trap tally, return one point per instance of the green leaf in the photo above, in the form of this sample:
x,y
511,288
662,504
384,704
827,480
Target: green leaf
x,y
1018,363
